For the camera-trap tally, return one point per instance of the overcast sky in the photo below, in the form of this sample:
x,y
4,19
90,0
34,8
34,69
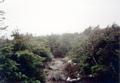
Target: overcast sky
x,y
42,17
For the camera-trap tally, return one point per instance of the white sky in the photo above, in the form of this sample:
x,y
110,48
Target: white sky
x,y
42,17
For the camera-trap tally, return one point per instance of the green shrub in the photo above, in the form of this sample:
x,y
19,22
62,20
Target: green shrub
x,y
99,54
19,64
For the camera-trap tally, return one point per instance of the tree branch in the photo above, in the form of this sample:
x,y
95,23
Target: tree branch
x,y
2,1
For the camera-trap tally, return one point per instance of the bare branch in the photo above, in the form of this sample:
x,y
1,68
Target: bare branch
x,y
3,28
2,1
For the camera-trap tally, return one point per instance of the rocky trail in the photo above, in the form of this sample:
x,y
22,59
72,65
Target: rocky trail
x,y
55,71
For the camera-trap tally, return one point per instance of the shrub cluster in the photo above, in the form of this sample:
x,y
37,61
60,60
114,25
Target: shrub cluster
x,y
22,61
98,55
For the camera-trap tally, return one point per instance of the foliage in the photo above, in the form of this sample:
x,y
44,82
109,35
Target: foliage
x,y
61,45
20,64
95,52
99,54
40,47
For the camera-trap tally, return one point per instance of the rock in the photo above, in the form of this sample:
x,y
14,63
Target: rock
x,y
45,70
56,65
59,64
59,76
65,59
63,77
53,67
70,61
53,60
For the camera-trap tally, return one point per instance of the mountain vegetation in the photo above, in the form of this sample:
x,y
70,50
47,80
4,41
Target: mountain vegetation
x,y
95,52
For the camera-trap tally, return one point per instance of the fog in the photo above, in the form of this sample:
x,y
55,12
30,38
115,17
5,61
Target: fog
x,y
41,17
